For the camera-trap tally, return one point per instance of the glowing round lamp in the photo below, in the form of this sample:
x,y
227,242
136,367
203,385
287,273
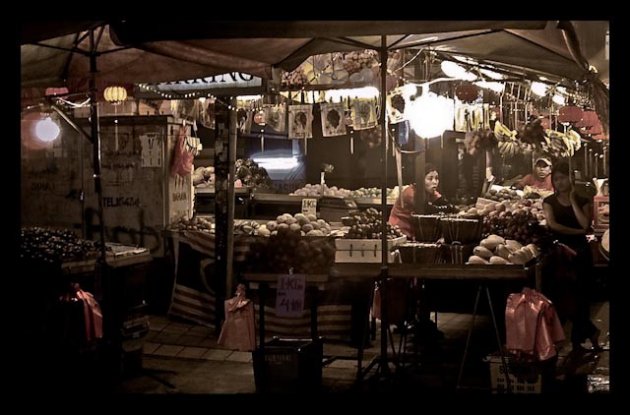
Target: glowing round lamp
x,y
115,94
430,115
47,130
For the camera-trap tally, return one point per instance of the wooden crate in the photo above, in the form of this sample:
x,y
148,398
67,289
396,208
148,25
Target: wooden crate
x,y
365,256
367,244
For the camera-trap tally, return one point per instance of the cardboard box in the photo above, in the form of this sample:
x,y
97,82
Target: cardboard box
x,y
522,384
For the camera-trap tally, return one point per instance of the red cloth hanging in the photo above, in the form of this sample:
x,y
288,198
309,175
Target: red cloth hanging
x,y
182,157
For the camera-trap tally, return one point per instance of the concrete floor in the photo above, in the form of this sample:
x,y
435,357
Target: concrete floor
x,y
183,358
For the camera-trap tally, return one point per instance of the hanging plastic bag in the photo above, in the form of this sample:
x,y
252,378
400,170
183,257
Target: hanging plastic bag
x,y
183,155
238,331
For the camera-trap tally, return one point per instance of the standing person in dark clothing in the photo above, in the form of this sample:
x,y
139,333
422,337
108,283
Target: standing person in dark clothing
x,y
569,218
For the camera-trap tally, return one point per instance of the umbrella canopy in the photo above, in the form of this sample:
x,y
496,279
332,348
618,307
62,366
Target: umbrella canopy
x,y
134,51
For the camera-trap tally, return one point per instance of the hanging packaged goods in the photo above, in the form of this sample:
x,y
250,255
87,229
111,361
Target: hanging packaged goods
x,y
300,121
333,120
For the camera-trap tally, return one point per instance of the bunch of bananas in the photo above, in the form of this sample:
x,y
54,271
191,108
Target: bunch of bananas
x,y
508,145
562,145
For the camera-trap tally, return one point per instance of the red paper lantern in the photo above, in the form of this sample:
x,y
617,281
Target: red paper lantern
x,y
589,119
570,114
467,92
55,91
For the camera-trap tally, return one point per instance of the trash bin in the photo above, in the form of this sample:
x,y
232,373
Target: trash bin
x,y
288,366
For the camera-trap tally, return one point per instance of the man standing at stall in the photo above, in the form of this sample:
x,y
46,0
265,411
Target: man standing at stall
x,y
540,178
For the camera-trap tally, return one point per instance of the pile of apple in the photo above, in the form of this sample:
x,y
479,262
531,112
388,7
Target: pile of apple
x,y
367,224
287,249
522,225
315,190
507,208
196,223
300,224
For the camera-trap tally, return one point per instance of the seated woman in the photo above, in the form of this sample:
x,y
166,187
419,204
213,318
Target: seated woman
x,y
404,207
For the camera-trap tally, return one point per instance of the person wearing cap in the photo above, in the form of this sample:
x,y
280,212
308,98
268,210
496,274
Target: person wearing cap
x,y
404,207
540,178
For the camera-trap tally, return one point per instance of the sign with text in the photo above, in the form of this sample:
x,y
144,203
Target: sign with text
x,y
290,295
151,155
309,206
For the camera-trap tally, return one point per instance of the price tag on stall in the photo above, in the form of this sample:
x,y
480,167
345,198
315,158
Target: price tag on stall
x,y
309,206
290,295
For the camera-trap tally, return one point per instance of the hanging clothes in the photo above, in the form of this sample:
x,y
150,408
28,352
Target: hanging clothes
x,y
532,325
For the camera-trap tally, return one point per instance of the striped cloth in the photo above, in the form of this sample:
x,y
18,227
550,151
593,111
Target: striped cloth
x,y
333,322
194,305
194,299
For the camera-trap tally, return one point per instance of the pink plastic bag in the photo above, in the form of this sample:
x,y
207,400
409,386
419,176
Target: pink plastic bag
x,y
238,331
182,157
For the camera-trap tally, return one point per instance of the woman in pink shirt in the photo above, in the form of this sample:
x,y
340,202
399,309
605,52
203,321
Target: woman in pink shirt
x,y
404,207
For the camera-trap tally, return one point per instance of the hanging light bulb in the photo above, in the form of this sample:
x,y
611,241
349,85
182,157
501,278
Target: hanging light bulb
x,y
47,130
430,115
497,87
491,74
558,99
539,88
453,70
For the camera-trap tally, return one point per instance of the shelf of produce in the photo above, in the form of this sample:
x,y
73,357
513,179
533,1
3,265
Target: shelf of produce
x,y
210,191
78,267
372,201
114,261
272,198
272,277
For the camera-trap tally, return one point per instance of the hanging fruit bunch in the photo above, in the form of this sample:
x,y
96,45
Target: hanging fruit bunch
x,y
353,62
508,144
559,145
479,140
295,79
533,133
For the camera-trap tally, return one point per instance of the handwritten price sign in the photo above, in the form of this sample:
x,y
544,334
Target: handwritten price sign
x,y
309,206
290,295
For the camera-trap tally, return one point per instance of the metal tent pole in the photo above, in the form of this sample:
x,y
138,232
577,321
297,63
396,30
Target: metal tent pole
x,y
384,251
96,142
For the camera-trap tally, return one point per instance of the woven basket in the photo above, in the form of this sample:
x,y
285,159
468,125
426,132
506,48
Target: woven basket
x,y
427,228
419,253
461,230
